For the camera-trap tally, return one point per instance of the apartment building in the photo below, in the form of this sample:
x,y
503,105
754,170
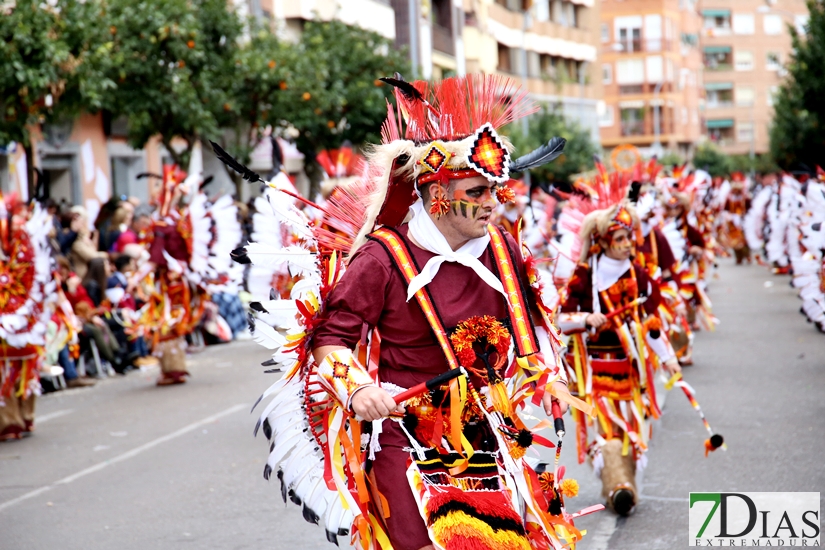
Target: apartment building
x,y
550,47
651,68
745,44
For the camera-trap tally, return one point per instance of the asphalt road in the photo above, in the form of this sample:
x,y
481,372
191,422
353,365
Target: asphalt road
x,y
127,465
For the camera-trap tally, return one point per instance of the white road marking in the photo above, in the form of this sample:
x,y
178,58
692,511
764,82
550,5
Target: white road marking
x,y
52,416
125,456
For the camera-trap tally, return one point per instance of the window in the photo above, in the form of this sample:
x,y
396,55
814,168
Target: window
x,y
743,23
630,71
654,68
718,58
801,24
543,10
629,32
743,60
745,96
744,132
533,64
504,58
772,24
556,11
773,61
605,33
572,15
771,97
606,116
633,121
607,73
653,33
720,131
716,21
718,94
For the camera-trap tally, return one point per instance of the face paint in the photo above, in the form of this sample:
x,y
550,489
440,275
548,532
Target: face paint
x,y
468,204
620,245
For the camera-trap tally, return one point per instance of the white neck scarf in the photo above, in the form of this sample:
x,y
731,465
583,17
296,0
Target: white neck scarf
x,y
608,271
426,235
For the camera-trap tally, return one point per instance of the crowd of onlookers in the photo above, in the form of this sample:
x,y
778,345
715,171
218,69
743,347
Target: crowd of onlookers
x,y
96,317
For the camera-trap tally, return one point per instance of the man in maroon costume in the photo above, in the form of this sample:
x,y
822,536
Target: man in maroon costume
x,y
373,293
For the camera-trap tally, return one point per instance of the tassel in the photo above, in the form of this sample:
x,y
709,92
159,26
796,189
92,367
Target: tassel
x,y
439,205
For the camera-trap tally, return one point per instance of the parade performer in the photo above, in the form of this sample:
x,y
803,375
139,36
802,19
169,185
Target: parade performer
x,y
616,342
188,255
691,270
27,291
736,206
447,292
809,267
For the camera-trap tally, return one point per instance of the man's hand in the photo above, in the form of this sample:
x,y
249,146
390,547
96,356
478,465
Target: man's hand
x,y
373,403
595,320
547,399
672,366
696,251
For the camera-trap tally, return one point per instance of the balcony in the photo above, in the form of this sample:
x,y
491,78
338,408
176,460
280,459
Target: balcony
x,y
633,128
718,58
638,45
443,40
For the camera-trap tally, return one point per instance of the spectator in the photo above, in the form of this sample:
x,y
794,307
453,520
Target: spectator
x,y
94,327
136,232
95,281
84,248
121,221
125,323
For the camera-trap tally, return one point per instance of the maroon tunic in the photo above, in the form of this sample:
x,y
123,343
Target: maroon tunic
x,y
373,293
580,298
664,254
167,238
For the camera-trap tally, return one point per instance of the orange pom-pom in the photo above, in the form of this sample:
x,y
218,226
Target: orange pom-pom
x,y
505,194
569,487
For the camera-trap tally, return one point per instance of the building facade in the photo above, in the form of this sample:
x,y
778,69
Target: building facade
x,y
550,48
745,44
651,70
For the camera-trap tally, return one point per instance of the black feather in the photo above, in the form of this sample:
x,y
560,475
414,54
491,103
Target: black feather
x,y
239,255
269,363
250,319
635,190
230,161
258,423
267,429
309,515
332,538
148,175
206,182
817,226
273,295
267,471
407,90
277,155
283,487
257,401
543,155
270,371
256,306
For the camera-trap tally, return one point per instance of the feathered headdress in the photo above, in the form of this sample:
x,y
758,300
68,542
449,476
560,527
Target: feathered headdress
x,y
443,131
603,210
